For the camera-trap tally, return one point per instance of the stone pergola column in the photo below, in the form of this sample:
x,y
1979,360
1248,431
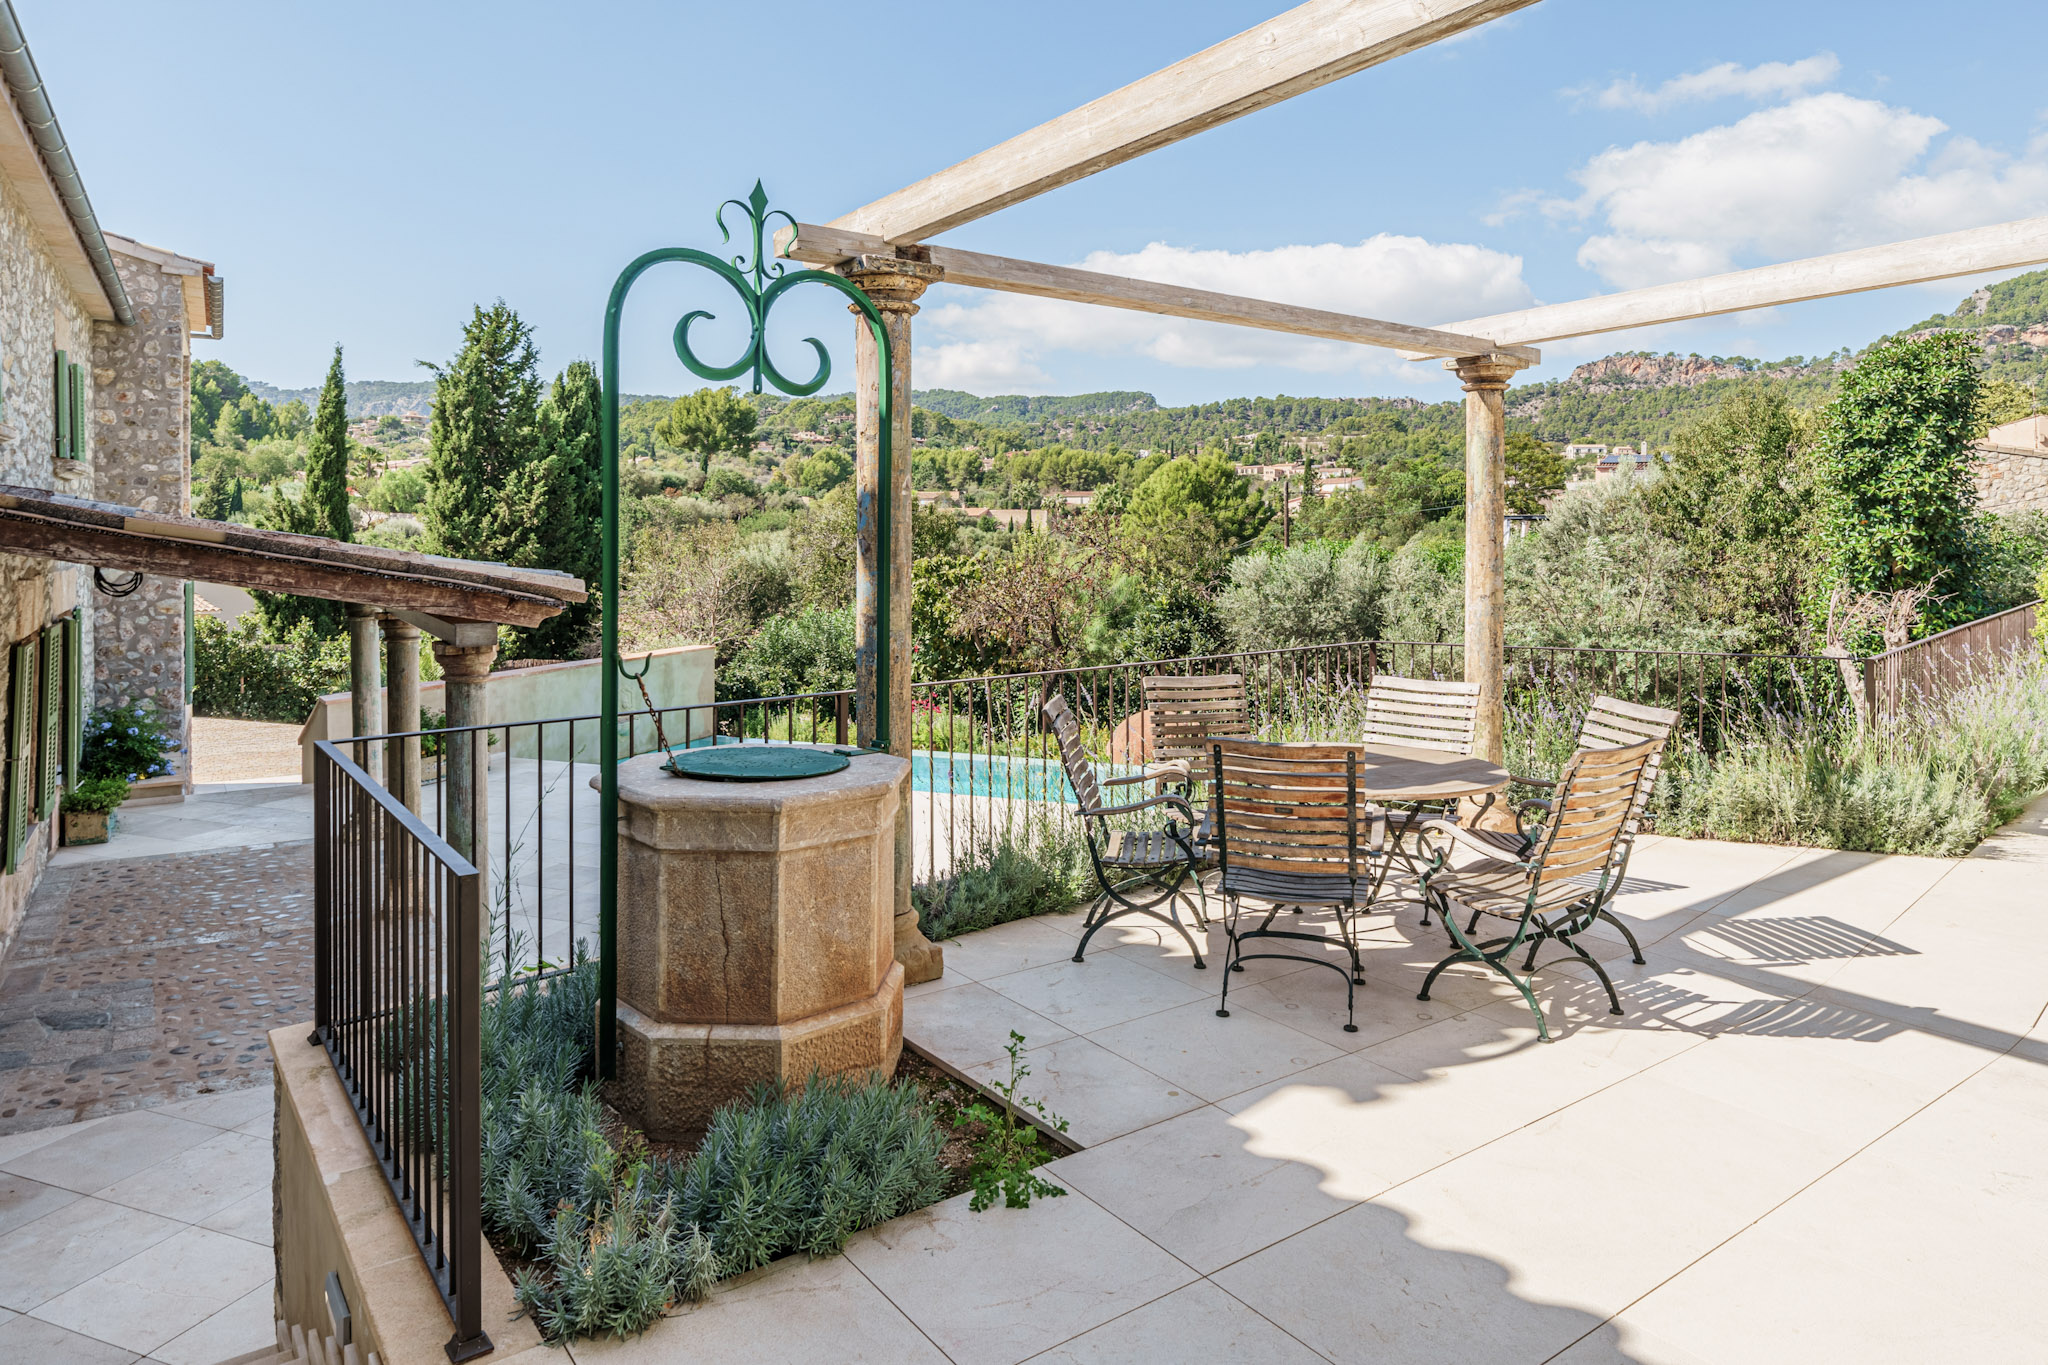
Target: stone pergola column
x,y
895,284
402,710
1485,378
365,684
466,757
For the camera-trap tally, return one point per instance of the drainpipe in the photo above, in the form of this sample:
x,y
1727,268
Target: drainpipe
x,y
18,69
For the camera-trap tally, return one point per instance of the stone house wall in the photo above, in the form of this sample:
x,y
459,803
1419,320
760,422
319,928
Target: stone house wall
x,y
38,315
141,415
2011,480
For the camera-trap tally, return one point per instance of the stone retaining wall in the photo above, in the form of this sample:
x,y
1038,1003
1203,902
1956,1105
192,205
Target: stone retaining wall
x,y
2011,480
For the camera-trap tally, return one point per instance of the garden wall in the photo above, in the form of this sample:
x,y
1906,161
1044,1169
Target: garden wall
x,y
683,676
332,1211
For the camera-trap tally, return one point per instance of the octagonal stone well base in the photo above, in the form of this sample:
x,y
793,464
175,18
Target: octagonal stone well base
x,y
673,1077
756,935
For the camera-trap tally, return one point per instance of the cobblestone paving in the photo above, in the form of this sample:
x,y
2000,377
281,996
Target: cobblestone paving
x,y
152,979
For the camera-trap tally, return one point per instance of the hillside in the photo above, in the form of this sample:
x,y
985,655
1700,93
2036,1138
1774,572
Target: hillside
x,y
2010,320
1627,396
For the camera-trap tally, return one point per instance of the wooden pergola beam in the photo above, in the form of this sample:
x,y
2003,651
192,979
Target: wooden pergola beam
x,y
2003,246
834,246
1307,47
38,523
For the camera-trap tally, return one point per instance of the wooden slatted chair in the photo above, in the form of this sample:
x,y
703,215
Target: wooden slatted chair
x,y
1609,723
1186,713
1130,863
1290,833
1422,713
1544,895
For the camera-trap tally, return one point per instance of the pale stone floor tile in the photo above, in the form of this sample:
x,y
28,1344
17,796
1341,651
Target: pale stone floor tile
x,y
40,1260
1620,1341
17,1145
229,1108
1855,1305
199,1181
1211,1057
1107,989
1827,1084
1157,947
1197,1323
1312,1002
1360,1287
88,1159
243,1326
1194,1186
794,1312
32,1341
248,1219
1002,1285
158,1294
1663,1176
971,1024
23,1201
944,982
1367,1127
1098,1093
1007,948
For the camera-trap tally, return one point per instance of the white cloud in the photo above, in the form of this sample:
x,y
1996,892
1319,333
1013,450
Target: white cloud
x,y
1405,279
1768,80
984,367
1822,173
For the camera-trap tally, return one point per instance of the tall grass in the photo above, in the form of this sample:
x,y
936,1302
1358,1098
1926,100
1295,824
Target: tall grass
x,y
1936,780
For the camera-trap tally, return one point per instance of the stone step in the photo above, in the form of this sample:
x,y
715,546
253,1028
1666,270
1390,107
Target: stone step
x,y
297,1346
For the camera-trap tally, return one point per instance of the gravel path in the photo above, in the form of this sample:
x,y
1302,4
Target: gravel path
x,y
226,750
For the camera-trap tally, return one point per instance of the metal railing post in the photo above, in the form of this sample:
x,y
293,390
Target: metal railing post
x,y
465,1119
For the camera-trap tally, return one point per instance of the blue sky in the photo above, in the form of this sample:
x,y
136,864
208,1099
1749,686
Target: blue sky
x,y
364,174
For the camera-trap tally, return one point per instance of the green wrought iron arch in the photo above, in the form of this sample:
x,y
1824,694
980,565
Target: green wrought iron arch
x,y
759,284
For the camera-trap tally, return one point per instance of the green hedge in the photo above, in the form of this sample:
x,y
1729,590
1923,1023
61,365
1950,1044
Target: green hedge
x,y
246,672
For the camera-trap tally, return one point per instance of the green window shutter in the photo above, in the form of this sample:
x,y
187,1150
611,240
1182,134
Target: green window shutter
x,y
21,670
50,743
62,395
74,697
78,431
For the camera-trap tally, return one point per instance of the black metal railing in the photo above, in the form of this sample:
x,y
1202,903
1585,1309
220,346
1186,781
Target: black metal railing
x,y
398,988
982,763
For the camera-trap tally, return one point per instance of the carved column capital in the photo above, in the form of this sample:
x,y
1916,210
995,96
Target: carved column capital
x,y
895,283
464,663
1490,372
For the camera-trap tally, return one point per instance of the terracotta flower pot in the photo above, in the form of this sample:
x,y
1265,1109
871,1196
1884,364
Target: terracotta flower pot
x,y
86,826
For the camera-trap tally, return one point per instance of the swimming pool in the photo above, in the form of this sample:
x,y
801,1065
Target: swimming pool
x,y
1021,779
958,773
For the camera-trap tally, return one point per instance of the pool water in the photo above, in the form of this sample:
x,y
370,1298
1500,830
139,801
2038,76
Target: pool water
x,y
964,774
1021,779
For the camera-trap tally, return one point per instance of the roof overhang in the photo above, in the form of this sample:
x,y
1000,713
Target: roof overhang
x,y
106,535
21,161
200,285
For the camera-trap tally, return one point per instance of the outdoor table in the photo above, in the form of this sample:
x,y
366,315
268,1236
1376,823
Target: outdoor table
x,y
1392,774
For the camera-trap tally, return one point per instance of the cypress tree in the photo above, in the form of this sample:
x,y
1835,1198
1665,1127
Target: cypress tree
x,y
327,459
557,502
322,510
482,435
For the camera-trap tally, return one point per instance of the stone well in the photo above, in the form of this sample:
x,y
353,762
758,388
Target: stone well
x,y
755,932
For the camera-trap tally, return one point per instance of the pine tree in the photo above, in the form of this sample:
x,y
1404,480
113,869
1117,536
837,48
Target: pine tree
x,y
482,435
557,501
327,459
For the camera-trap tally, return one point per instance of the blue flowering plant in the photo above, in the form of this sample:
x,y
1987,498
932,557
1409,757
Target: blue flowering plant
x,y
126,742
